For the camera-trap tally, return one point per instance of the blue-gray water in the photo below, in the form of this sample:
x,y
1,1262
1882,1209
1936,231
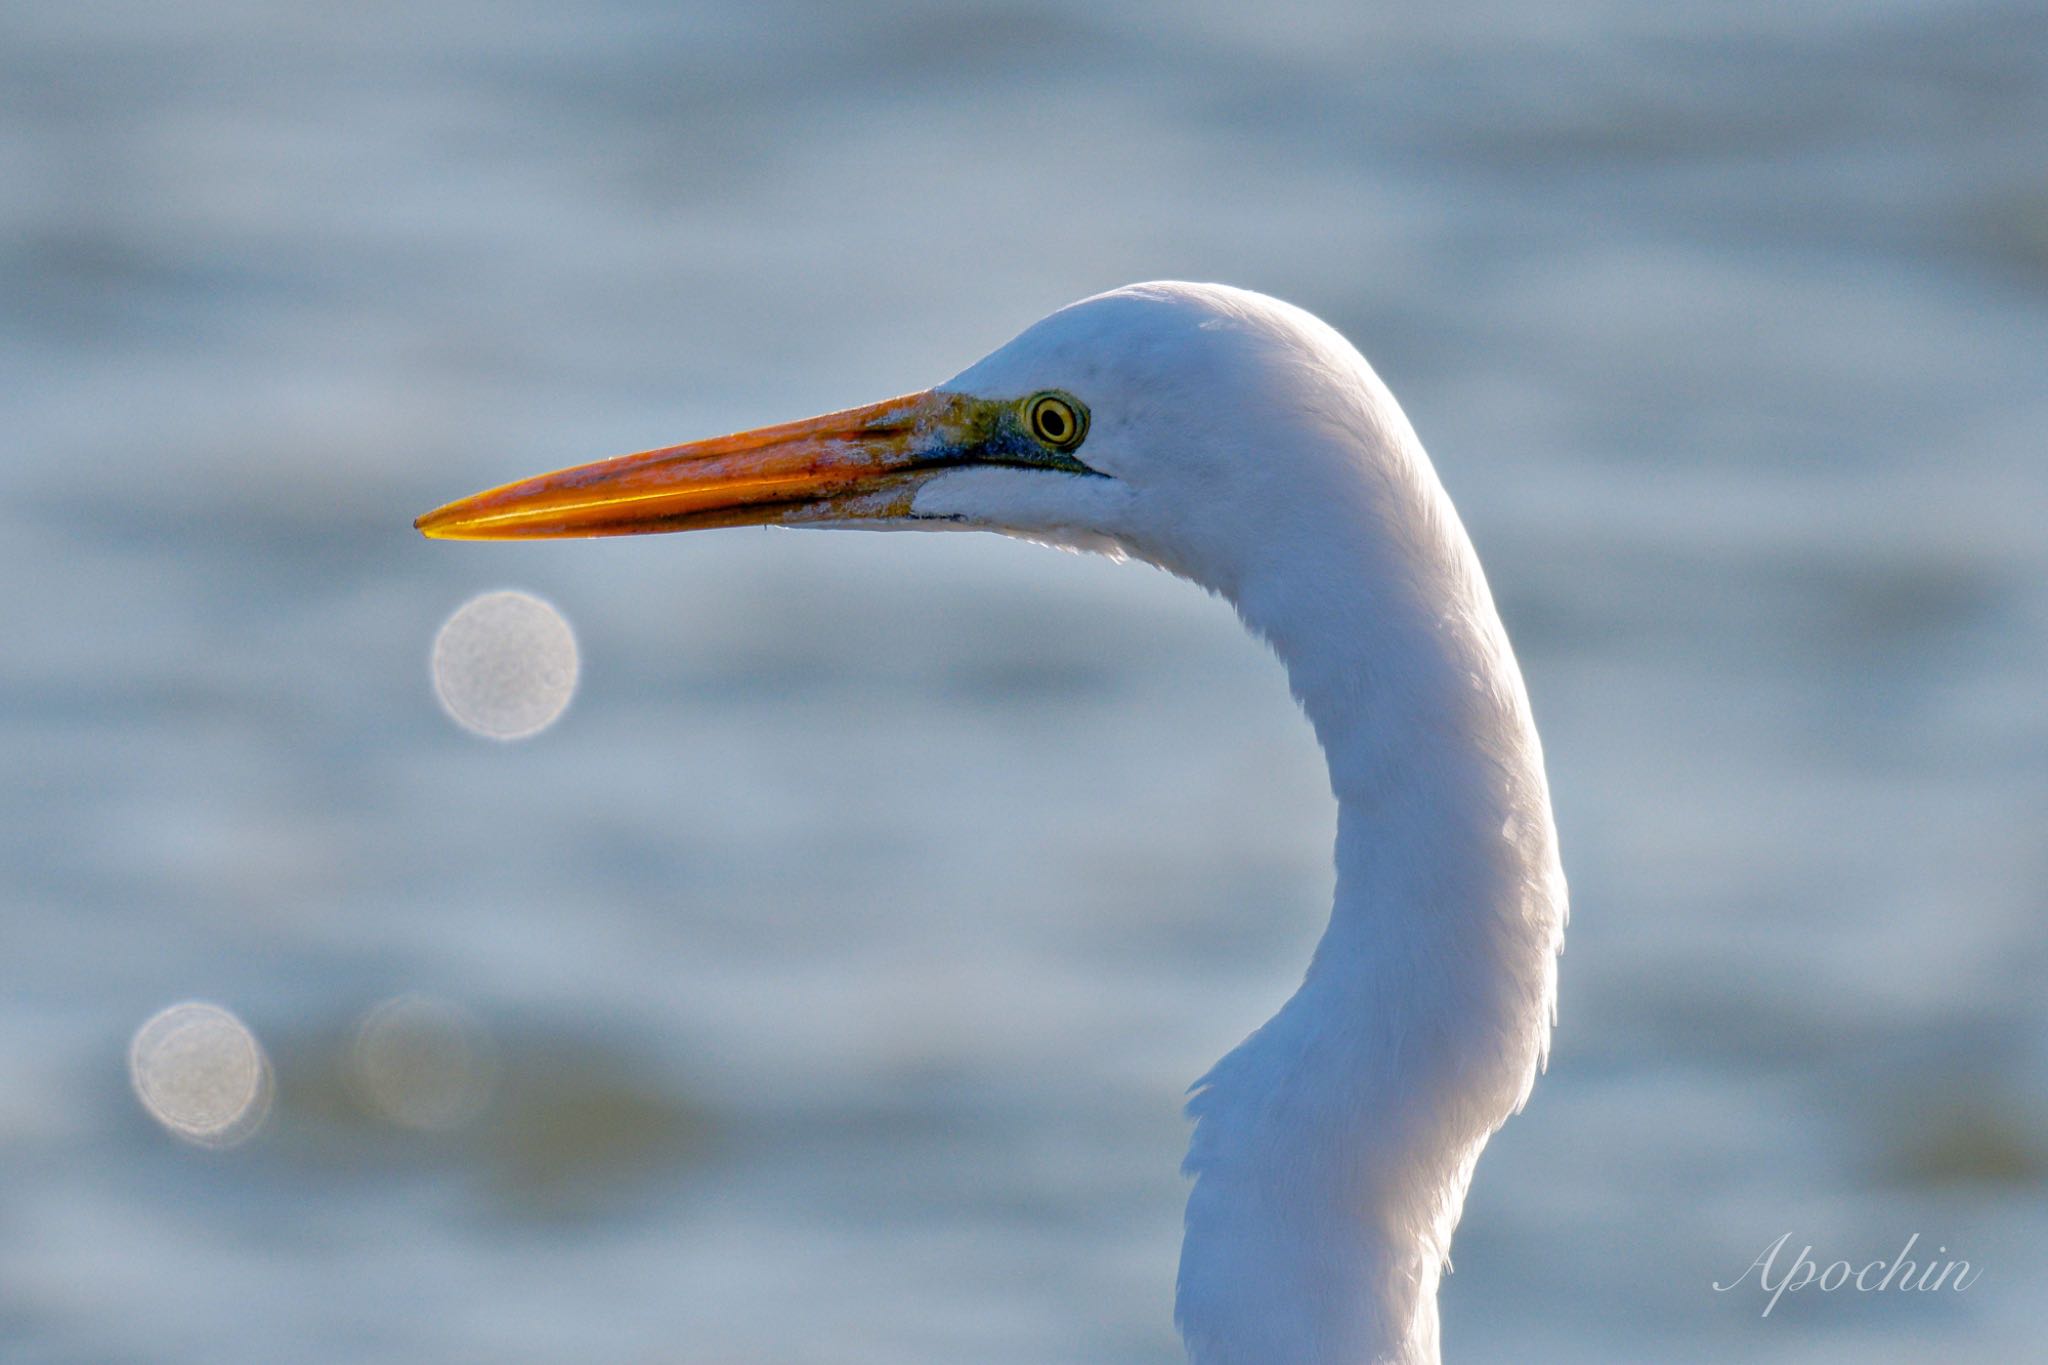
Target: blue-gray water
x,y
846,947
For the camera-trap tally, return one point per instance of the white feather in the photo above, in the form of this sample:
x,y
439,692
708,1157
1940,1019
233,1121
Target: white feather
x,y
1248,447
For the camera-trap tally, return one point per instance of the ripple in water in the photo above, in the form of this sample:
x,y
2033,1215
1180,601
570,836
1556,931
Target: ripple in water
x,y
200,1072
505,665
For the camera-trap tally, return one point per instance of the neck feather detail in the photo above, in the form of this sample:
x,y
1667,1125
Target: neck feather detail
x,y
1333,1148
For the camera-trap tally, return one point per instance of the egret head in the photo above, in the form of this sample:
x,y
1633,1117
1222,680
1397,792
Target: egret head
x,y
1198,427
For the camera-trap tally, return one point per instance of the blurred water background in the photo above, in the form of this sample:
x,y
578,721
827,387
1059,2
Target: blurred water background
x,y
822,987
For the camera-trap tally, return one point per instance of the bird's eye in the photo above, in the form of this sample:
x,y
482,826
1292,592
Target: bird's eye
x,y
1056,420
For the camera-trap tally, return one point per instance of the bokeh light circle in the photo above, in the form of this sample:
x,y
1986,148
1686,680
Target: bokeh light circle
x,y
200,1072
505,665
421,1062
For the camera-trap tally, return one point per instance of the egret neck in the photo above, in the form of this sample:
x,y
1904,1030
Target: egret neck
x,y
1333,1148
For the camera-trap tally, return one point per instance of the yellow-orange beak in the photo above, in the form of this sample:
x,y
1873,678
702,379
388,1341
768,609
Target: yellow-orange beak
x,y
864,462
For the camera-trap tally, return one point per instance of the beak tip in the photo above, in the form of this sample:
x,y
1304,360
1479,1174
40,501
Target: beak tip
x,y
434,525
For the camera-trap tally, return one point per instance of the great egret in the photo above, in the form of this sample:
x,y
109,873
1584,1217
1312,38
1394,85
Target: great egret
x,y
1242,443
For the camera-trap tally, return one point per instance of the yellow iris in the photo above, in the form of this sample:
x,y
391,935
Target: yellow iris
x,y
1055,420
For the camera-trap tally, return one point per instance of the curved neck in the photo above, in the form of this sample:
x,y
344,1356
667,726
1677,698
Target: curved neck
x,y
1333,1148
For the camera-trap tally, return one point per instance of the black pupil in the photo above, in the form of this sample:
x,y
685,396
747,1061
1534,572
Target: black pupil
x,y
1052,423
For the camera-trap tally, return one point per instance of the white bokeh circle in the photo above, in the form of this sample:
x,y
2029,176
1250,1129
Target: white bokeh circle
x,y
505,665
200,1072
